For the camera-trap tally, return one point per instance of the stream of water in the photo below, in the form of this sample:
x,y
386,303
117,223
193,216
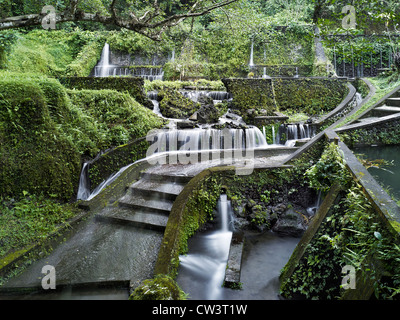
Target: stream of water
x,y
203,268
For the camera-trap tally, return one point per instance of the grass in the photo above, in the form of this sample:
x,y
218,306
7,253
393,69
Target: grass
x,y
36,53
30,220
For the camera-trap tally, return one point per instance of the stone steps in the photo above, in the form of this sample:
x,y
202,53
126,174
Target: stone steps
x,y
164,190
170,177
394,101
138,219
145,203
384,111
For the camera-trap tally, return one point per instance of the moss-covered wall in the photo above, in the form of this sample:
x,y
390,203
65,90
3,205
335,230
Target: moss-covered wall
x,y
248,94
313,96
110,162
133,86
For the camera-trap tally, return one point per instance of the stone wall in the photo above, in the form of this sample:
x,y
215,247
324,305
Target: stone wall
x,y
312,96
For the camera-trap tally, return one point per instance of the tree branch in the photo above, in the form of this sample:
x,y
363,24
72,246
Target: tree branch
x,y
143,25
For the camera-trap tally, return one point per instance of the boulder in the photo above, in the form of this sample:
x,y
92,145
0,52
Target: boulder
x,y
290,223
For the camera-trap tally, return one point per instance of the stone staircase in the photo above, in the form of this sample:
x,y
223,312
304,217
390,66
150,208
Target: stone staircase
x,y
148,202
390,106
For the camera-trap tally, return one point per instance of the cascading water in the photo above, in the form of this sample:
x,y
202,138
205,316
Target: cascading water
x,y
208,139
103,67
84,183
152,95
251,64
204,266
288,134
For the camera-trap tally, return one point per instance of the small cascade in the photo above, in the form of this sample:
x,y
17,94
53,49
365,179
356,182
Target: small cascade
x,y
84,183
208,139
273,135
251,64
207,258
297,73
312,210
217,96
289,133
152,95
150,74
103,68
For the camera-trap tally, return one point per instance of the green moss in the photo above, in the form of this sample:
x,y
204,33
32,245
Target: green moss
x,y
134,86
174,105
35,154
86,60
162,287
395,225
254,94
311,96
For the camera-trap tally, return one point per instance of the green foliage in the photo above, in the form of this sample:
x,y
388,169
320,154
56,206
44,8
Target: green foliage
x,y
30,220
351,233
54,53
118,116
328,170
86,60
200,84
35,154
199,209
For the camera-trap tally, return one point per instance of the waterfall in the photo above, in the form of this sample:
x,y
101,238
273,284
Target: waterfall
x,y
208,139
173,55
289,133
152,95
251,64
105,69
273,135
297,73
312,210
207,259
84,183
102,68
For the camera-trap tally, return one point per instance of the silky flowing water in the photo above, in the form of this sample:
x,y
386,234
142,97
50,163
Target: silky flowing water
x,y
202,270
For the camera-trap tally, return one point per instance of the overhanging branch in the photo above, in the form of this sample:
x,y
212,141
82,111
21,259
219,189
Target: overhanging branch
x,y
145,24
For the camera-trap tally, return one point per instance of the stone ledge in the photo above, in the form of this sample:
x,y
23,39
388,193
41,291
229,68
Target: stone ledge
x,y
234,264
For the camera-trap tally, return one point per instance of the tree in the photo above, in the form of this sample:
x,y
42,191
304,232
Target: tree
x,y
149,18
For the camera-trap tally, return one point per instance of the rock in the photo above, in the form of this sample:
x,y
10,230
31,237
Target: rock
x,y
208,113
290,223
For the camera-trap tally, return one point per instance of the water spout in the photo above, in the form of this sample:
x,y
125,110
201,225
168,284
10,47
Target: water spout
x,y
251,64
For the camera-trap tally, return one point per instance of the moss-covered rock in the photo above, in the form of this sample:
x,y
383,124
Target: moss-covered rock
x,y
162,287
174,105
